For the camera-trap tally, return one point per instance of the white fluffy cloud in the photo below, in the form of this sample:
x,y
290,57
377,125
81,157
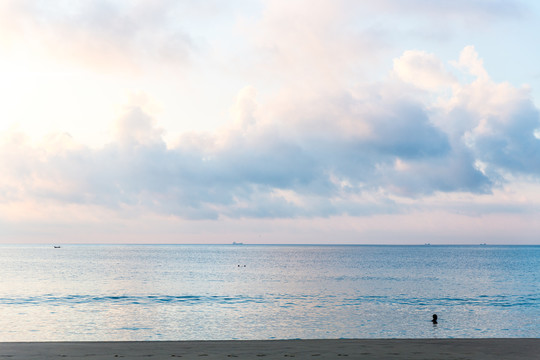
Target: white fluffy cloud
x,y
423,70
354,155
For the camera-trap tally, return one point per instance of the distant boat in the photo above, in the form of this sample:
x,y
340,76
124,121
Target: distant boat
x,y
56,246
237,243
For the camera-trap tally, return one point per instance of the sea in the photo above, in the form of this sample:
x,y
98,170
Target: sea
x,y
223,292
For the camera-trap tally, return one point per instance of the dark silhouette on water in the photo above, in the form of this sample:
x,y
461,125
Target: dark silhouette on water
x,y
434,321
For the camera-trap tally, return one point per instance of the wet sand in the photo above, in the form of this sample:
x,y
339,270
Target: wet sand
x,y
279,349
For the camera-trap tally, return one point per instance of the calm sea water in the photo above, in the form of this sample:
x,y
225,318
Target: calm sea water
x,y
180,292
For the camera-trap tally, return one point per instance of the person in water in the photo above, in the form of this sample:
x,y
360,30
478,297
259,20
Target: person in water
x,y
434,321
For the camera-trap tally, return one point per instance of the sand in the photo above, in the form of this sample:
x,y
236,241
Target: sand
x,y
279,349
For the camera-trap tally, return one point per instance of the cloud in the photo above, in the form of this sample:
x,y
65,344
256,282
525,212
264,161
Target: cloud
x,y
506,140
358,151
105,35
469,60
436,22
423,70
307,46
244,111
501,120
137,127
311,44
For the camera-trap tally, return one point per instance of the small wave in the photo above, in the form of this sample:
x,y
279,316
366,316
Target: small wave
x,y
282,300
481,300
126,299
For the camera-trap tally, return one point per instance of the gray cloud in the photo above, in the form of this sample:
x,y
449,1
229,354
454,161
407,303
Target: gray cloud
x,y
351,152
265,174
509,143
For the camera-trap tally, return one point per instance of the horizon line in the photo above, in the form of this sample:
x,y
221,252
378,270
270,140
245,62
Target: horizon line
x,y
270,244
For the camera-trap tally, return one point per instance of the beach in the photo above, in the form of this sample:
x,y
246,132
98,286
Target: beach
x,y
509,348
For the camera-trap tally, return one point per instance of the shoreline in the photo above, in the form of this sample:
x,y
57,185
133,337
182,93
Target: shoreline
x,y
478,348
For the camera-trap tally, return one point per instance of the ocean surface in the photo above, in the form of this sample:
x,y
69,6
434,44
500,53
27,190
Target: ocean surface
x,y
184,292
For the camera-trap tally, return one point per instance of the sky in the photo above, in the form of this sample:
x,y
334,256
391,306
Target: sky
x,y
294,121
